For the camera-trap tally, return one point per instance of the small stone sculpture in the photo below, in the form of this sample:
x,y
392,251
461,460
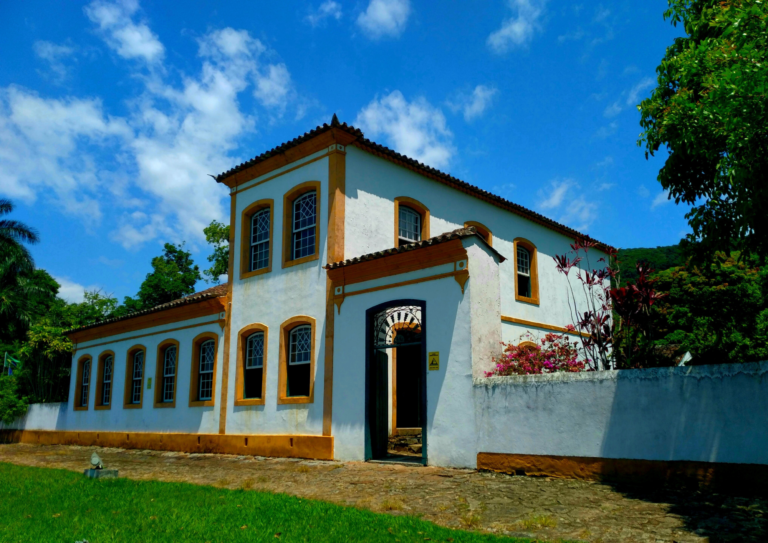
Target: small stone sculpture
x,y
96,462
97,471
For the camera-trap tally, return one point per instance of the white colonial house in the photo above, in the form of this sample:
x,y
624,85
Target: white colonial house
x,y
365,292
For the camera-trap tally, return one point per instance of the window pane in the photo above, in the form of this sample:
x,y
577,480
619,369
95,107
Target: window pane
x,y
106,385
85,386
304,221
523,285
108,369
205,386
169,368
260,240
252,385
523,261
409,224
301,345
254,353
138,371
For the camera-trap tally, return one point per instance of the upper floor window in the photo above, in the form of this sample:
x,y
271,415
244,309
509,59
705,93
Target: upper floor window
x,y
207,354
482,230
85,383
409,227
106,380
526,272
260,224
411,221
304,222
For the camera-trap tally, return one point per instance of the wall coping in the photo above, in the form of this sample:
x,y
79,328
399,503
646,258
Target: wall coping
x,y
713,371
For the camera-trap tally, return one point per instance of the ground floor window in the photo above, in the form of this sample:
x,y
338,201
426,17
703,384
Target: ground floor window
x,y
253,373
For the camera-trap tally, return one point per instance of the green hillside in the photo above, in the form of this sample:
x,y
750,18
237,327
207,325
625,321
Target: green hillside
x,y
660,258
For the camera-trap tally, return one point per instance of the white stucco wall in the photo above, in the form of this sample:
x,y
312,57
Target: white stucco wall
x,y
180,418
701,413
371,187
274,297
39,416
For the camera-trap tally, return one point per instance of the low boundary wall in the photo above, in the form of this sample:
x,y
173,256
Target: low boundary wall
x,y
706,423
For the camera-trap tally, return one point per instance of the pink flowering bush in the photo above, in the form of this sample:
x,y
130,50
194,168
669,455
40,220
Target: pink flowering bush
x,y
551,354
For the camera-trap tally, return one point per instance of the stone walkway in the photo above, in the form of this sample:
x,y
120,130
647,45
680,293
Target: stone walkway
x,y
547,509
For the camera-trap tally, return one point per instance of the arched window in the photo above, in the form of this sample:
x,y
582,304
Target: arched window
x,y
106,380
301,208
482,230
250,377
526,272
297,361
409,225
85,386
134,377
256,239
82,384
205,384
304,222
169,373
411,221
260,239
202,387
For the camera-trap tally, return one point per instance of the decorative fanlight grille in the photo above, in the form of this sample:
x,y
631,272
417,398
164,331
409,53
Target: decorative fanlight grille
x,y
405,320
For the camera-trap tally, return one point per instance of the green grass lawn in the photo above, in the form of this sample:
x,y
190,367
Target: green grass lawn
x,y
41,505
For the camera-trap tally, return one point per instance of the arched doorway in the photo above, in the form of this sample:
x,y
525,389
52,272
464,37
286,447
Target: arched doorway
x,y
396,391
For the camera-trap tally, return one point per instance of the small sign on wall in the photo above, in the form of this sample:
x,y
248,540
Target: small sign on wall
x,y
434,360
149,383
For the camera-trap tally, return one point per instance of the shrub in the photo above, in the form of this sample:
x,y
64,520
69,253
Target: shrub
x,y
11,405
551,354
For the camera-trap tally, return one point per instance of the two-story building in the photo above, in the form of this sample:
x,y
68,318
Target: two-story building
x,y
365,292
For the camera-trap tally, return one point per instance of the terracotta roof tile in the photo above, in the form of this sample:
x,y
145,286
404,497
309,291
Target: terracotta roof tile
x,y
442,238
213,292
433,173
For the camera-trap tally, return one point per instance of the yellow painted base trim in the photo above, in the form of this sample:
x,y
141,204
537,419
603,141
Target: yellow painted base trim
x,y
284,446
711,475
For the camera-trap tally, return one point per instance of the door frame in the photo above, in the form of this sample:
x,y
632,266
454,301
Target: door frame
x,y
369,382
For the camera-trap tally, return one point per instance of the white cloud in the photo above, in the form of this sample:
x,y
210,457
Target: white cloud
x,y
574,211
327,10
474,105
505,190
574,35
54,54
72,292
416,129
147,171
635,92
518,31
384,18
607,161
643,191
613,109
660,199
128,39
554,196
605,186
606,131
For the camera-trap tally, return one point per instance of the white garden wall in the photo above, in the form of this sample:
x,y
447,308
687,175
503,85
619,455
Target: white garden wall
x,y
702,413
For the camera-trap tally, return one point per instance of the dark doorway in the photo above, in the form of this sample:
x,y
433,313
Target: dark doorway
x,y
395,334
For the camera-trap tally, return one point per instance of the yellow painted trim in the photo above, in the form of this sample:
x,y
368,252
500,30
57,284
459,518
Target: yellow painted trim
x,y
419,208
80,348
228,321
159,370
199,339
543,326
270,178
245,237
240,373
282,374
288,199
483,230
411,282
534,299
337,168
129,377
97,400
281,445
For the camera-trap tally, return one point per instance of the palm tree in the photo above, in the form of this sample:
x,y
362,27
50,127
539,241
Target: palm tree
x,y
16,264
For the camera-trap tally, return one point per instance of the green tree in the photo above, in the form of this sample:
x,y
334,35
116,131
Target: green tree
x,y
11,405
173,276
710,111
718,313
217,234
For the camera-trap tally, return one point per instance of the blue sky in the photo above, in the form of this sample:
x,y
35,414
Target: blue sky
x,y
113,113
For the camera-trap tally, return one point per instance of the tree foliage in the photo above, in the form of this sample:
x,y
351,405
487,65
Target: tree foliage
x,y
659,258
217,234
173,276
710,111
12,406
718,313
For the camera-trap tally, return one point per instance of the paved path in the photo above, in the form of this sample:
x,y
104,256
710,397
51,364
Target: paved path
x,y
548,509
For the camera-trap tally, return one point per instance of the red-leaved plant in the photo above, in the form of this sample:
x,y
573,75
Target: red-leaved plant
x,y
551,354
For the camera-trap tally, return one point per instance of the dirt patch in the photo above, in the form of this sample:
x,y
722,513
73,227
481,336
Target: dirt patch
x,y
542,508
